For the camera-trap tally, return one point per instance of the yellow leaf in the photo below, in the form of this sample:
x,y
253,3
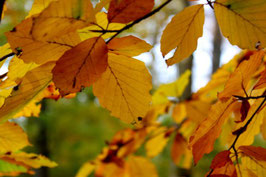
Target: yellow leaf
x,y
158,140
4,50
85,170
101,23
38,6
12,137
124,88
179,112
88,60
32,83
182,33
141,167
129,46
62,17
30,110
28,160
241,76
263,128
33,50
242,22
253,128
174,89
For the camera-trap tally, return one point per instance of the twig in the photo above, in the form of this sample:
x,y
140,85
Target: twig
x,y
249,97
246,125
6,56
139,20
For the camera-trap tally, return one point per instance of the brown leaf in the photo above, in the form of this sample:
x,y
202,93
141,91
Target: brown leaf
x,y
221,159
125,11
259,153
80,66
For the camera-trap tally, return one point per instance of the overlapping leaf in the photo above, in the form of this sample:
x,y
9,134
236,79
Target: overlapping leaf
x,y
209,130
81,66
125,11
12,137
32,83
182,33
242,22
124,88
239,79
33,50
62,17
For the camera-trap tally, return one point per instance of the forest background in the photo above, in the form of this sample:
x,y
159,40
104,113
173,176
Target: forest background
x,y
75,130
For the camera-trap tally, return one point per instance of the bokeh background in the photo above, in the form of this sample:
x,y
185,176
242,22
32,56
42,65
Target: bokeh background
x,y
73,131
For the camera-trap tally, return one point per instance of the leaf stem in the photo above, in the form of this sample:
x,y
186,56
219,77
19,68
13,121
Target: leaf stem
x,y
139,20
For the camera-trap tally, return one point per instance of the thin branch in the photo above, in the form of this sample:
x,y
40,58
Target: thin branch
x,y
139,20
249,97
6,56
104,31
246,125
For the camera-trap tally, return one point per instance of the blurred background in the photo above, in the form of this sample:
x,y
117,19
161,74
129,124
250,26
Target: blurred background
x,y
73,131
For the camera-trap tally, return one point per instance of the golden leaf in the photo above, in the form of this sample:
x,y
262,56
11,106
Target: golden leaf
x,y
242,22
209,129
32,83
141,167
33,50
85,170
88,60
182,33
12,137
124,88
129,46
174,89
62,17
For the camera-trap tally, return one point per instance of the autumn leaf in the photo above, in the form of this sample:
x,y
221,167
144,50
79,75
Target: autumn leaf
x,y
100,25
28,160
242,22
157,141
12,137
182,33
124,88
222,165
209,129
125,11
140,166
88,60
262,81
8,169
38,6
241,76
33,50
253,161
172,90
5,50
66,15
32,83
129,46
179,149
85,170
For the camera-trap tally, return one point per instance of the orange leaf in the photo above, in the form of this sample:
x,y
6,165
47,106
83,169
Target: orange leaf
x,y
129,46
262,81
124,88
33,50
178,148
221,159
125,11
258,153
239,79
209,130
80,66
